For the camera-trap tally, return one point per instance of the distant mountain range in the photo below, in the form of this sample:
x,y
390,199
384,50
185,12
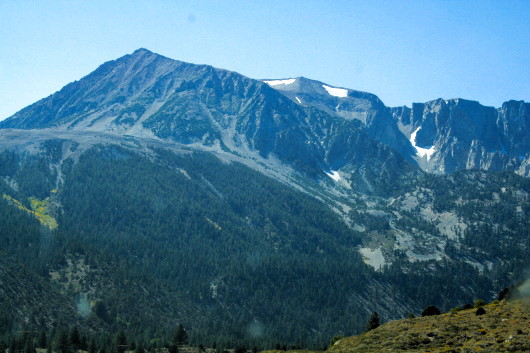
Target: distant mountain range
x,y
157,192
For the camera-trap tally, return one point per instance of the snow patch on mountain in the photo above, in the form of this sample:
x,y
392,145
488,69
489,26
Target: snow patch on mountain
x,y
420,151
280,82
334,175
337,92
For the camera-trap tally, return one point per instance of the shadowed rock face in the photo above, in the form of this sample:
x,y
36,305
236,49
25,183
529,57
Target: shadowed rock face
x,y
459,133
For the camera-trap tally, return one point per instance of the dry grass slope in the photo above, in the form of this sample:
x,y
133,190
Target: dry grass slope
x,y
504,328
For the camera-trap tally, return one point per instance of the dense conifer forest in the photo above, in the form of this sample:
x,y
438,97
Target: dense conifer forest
x,y
150,240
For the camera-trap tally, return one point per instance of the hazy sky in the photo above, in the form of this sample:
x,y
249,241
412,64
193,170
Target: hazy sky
x,y
402,51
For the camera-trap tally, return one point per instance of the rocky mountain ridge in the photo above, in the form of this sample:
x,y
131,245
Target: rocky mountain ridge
x,y
442,136
463,134
147,95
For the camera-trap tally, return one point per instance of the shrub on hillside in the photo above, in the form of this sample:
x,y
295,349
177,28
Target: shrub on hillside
x,y
430,311
479,303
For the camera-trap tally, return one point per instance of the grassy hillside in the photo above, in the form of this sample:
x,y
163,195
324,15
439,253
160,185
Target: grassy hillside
x,y
505,327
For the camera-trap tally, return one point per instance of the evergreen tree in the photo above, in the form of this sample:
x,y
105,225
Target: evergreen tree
x,y
240,349
63,342
373,322
13,346
75,339
139,348
29,347
121,342
431,311
83,345
92,348
29,344
43,341
181,336
173,348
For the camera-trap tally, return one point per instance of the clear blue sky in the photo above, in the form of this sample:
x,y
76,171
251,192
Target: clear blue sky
x,y
402,51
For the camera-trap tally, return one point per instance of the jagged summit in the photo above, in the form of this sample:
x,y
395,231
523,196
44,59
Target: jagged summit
x,y
142,50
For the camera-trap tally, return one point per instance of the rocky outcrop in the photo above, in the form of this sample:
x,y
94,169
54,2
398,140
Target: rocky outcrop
x,y
463,134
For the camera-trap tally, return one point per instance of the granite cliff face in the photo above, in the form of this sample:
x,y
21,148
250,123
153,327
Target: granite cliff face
x,y
458,134
441,136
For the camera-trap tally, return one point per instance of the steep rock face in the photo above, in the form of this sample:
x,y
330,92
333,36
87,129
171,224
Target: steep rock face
x,y
513,121
147,95
348,104
458,134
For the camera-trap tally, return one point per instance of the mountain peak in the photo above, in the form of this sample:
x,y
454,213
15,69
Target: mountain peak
x,y
142,50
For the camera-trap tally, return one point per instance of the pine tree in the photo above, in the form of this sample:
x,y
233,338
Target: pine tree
x,y
240,349
12,346
121,342
43,341
75,340
139,348
373,322
63,343
83,345
92,348
181,337
173,348
29,347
